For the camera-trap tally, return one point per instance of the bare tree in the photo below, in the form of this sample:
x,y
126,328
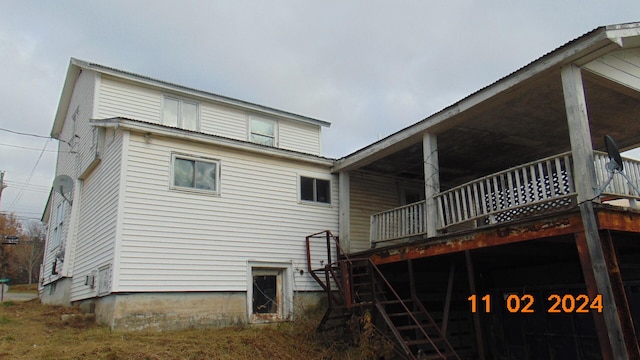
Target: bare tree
x,y
30,248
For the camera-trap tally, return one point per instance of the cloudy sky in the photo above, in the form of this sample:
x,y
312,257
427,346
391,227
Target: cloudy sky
x,y
368,67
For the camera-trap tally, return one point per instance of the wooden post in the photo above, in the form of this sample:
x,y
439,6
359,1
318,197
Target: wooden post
x,y
431,181
586,185
476,317
344,191
447,301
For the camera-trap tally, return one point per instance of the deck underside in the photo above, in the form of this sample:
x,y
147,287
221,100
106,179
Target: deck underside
x,y
538,260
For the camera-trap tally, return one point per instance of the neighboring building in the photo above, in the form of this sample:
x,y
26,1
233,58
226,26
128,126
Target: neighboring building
x,y
188,208
499,204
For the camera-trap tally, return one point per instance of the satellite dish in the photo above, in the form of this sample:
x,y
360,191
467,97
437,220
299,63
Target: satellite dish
x,y
615,166
614,155
63,184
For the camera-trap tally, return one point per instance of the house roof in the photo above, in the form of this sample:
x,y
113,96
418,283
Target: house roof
x,y
530,93
76,66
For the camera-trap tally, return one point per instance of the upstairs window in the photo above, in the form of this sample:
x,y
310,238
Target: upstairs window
x,y
180,113
196,173
316,190
263,132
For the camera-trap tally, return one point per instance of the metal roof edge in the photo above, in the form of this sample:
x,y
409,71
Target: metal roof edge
x,y
566,53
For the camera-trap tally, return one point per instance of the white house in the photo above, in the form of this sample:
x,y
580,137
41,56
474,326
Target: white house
x,y
192,209
188,208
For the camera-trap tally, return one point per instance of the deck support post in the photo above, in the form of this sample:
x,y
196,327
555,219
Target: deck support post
x,y
447,300
586,185
344,191
431,181
476,317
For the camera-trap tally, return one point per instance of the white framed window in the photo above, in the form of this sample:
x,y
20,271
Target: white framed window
x,y
180,113
56,238
195,173
315,190
263,131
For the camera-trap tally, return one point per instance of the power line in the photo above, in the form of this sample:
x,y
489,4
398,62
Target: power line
x,y
29,148
33,135
26,134
21,191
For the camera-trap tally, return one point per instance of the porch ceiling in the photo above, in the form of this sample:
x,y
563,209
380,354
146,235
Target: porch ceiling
x,y
525,124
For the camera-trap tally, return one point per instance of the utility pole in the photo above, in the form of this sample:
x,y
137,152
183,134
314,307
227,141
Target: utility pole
x,y
2,185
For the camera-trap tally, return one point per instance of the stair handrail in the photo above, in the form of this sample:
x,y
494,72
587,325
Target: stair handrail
x,y
328,268
409,312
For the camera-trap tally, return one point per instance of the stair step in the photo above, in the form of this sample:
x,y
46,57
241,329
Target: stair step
x,y
415,327
425,341
391,302
414,313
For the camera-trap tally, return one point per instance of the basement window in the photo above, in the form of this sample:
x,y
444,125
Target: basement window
x,y
269,292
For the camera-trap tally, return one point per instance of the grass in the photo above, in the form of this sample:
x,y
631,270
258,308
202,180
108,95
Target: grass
x,y
30,330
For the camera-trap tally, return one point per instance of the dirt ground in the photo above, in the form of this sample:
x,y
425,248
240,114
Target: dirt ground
x,y
30,330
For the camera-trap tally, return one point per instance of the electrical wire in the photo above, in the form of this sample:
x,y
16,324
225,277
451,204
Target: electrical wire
x,y
29,148
33,135
21,191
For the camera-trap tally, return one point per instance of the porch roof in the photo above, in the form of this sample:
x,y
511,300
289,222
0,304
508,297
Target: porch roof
x,y
517,119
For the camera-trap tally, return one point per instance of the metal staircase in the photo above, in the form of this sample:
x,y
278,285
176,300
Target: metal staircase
x,y
355,285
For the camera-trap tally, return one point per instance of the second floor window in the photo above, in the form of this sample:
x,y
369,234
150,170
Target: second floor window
x,y
180,113
263,132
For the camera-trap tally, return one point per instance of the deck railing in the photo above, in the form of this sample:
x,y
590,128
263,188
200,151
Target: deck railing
x,y
399,223
538,187
618,187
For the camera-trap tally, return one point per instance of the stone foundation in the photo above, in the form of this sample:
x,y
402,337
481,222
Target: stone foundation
x,y
57,292
174,311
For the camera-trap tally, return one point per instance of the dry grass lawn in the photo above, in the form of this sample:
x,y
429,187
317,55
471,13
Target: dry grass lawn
x,y
30,330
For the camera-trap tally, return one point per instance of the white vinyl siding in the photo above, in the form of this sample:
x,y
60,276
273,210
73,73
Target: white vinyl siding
x,y
124,99
97,223
299,137
120,99
183,241
370,194
76,152
223,121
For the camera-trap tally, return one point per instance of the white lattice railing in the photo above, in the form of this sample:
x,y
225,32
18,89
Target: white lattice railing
x,y
399,223
618,185
536,187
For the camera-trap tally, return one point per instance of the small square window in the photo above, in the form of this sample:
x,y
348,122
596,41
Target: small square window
x,y
180,113
195,173
263,132
316,190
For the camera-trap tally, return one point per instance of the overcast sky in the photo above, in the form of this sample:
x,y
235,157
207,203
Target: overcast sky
x,y
368,67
